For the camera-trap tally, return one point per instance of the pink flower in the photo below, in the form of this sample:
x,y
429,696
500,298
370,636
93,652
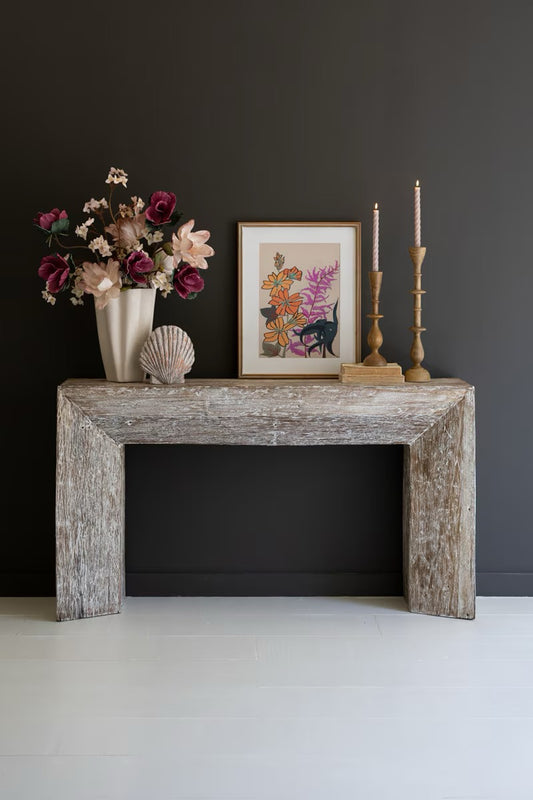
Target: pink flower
x,y
55,271
101,280
137,264
187,280
161,207
191,246
128,231
45,221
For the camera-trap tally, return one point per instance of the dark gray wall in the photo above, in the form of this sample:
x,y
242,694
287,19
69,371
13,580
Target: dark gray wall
x,y
293,110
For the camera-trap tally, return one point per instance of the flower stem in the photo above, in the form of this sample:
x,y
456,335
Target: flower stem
x,y
71,247
111,187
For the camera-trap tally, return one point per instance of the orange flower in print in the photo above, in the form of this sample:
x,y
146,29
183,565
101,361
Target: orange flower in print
x,y
294,273
277,281
299,319
285,303
278,331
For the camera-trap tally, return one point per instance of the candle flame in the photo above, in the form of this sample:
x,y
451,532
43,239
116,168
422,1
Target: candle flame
x,y
417,183
375,206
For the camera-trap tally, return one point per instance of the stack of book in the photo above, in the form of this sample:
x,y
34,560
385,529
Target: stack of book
x,y
359,373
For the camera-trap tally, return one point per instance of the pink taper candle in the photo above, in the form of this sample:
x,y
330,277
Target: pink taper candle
x,y
418,226
375,240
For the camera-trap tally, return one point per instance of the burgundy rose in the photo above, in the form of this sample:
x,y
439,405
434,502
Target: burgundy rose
x,y
161,206
187,280
46,221
55,271
137,264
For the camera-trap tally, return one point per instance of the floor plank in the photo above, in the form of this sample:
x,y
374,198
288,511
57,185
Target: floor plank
x,y
266,699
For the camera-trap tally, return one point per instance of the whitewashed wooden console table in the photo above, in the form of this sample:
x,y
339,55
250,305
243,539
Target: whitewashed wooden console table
x,y
434,421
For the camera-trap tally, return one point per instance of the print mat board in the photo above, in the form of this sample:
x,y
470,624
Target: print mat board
x,y
299,298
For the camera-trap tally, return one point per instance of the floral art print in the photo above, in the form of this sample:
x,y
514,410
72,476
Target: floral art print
x,y
299,300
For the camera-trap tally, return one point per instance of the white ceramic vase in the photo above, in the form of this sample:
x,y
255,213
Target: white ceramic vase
x,y
123,327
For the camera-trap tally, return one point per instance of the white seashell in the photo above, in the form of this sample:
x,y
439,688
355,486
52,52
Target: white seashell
x,y
167,355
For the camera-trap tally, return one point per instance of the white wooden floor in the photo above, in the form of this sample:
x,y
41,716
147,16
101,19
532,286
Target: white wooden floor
x,y
266,698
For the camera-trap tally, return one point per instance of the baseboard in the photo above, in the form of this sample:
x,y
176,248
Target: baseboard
x,y
27,584
257,584
504,584
168,584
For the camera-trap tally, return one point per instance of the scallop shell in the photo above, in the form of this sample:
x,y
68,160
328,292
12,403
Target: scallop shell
x,y
167,355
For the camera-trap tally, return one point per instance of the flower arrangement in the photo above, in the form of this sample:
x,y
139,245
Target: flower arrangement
x,y
124,249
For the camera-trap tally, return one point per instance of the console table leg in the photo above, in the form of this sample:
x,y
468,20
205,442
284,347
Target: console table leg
x,y
89,517
439,516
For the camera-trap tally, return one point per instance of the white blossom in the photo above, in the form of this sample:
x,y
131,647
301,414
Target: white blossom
x,y
125,210
94,205
83,229
138,204
153,238
117,176
48,296
77,287
168,265
102,245
160,281
105,284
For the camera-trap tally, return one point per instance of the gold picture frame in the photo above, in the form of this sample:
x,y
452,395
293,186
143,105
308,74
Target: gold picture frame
x,y
327,265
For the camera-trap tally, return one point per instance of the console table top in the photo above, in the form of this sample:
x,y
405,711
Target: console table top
x,y
263,412
267,383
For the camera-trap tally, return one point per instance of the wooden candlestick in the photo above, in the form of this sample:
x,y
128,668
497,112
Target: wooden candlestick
x,y
375,337
417,373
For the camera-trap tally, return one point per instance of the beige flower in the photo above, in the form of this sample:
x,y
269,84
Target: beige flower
x,y
101,280
117,176
127,231
83,229
168,265
77,287
124,210
190,246
155,237
100,244
138,204
94,205
160,281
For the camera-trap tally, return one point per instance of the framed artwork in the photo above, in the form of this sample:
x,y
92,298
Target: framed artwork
x,y
299,298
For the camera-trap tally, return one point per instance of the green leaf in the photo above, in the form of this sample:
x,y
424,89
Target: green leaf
x,y
60,226
167,247
159,258
192,296
271,349
269,312
176,216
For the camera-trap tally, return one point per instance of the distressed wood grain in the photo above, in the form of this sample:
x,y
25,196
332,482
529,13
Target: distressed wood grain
x,y
89,516
439,515
434,420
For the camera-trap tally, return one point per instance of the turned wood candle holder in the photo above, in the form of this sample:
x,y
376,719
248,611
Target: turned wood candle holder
x,y
417,373
375,337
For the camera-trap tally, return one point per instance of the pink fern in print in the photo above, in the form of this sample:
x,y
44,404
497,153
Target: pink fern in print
x,y
316,304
